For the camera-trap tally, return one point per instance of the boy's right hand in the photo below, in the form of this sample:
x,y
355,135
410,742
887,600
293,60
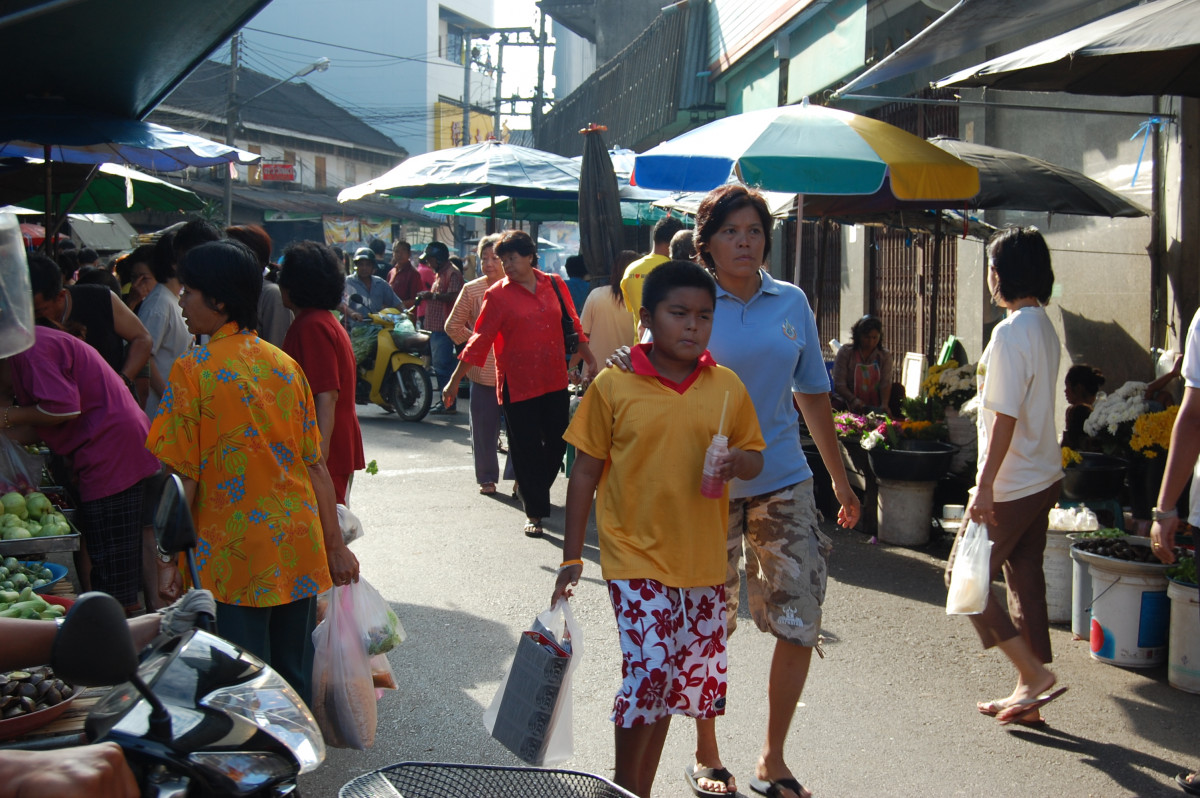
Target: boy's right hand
x,y
567,578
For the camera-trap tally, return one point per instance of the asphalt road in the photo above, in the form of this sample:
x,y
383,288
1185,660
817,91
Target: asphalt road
x,y
889,711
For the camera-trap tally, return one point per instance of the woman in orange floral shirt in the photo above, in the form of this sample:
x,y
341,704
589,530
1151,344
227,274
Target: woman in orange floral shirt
x,y
238,424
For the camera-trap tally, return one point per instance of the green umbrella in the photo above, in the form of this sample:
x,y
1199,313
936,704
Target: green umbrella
x,y
112,189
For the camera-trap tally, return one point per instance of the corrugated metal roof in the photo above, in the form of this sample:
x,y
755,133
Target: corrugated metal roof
x,y
307,202
295,107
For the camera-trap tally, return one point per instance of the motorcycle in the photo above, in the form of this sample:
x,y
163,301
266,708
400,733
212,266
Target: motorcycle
x,y
197,716
391,367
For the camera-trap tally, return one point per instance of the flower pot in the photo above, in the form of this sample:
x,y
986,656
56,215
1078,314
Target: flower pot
x,y
963,435
1099,476
915,461
905,512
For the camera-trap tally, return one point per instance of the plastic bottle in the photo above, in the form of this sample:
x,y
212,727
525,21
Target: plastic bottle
x,y
711,485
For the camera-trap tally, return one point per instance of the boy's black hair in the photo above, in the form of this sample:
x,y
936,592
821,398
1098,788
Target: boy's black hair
x,y
225,271
312,275
675,274
1022,262
665,229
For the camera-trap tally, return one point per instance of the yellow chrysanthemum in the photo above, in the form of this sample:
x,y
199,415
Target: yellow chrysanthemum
x,y
1152,432
1070,456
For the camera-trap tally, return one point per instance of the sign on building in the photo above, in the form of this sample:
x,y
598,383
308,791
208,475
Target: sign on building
x,y
279,171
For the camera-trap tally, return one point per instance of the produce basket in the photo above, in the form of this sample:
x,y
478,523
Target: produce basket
x,y
36,546
439,780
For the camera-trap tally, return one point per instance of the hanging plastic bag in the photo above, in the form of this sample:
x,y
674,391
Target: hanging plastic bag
x,y
970,572
382,675
352,528
380,628
343,695
531,712
19,470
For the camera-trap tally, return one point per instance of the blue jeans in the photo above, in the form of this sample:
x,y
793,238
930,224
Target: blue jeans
x,y
444,359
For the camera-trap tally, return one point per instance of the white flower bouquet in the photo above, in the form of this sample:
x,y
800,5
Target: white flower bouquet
x,y
1113,416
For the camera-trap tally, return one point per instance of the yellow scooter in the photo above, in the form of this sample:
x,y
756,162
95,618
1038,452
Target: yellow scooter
x,y
390,350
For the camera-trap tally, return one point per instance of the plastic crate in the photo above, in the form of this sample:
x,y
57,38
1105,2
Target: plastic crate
x,y
439,780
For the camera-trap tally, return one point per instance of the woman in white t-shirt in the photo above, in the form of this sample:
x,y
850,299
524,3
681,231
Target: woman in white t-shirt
x,y
1020,466
606,321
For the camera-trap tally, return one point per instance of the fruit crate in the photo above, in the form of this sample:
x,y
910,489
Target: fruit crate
x,y
32,547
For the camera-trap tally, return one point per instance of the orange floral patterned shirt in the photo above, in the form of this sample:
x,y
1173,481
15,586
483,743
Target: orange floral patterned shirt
x,y
238,417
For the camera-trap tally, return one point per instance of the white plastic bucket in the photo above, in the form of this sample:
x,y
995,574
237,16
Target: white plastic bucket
x,y
1130,616
1056,564
1081,596
905,512
1183,658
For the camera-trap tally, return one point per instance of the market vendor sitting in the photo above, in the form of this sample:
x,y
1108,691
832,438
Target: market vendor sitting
x,y
862,372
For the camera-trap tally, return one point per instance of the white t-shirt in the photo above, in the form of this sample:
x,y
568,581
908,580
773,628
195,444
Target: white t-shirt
x,y
163,319
1017,376
1191,378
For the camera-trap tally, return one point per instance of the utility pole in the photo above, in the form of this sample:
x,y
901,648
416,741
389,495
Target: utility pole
x,y
536,117
499,80
231,123
466,57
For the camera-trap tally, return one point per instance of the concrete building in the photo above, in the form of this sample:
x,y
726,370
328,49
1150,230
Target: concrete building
x,y
1123,286
398,66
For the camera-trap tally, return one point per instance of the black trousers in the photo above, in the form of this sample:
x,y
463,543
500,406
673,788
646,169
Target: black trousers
x,y
536,445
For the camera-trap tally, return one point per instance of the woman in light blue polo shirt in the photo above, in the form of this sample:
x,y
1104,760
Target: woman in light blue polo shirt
x,y
765,331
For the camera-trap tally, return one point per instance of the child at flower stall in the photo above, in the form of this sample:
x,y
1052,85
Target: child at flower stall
x,y
662,545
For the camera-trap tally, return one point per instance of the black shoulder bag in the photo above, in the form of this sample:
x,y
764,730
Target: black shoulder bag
x,y
570,337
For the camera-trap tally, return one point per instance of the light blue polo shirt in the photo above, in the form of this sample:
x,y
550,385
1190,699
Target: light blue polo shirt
x,y
771,342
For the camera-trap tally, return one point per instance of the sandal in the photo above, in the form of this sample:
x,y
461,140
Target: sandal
x,y
487,488
533,529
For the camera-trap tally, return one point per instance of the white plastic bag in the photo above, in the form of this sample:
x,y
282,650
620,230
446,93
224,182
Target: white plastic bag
x,y
970,574
352,528
531,713
343,696
380,628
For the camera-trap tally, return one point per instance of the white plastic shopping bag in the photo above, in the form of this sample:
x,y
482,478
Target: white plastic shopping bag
x,y
970,572
531,713
343,693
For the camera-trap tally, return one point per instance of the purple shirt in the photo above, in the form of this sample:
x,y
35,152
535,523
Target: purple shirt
x,y
63,376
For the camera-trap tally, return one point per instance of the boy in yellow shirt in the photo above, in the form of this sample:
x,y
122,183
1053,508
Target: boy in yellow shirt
x,y
641,437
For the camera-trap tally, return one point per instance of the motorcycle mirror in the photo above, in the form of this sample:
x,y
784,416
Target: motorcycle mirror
x,y
357,299
173,528
93,648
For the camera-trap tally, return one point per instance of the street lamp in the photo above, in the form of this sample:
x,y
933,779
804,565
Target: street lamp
x,y
234,109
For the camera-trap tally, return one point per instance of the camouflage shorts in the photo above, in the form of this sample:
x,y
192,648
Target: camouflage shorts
x,y
786,562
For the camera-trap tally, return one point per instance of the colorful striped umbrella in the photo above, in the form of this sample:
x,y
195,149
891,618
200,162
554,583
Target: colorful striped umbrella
x,y
807,149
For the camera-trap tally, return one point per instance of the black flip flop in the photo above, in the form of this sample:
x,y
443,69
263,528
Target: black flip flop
x,y
1190,787
714,774
774,789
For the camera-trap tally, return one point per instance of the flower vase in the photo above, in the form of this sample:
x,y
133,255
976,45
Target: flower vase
x,y
963,435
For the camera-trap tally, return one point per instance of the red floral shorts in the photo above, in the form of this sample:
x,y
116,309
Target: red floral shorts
x,y
673,658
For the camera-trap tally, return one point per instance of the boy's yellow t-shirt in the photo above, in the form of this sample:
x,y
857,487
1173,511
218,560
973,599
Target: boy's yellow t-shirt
x,y
652,434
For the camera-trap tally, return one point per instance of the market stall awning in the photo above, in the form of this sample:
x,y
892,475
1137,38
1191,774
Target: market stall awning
x,y
970,25
1149,49
104,56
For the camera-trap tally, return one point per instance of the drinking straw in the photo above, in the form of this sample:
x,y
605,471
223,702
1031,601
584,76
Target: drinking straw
x,y
721,426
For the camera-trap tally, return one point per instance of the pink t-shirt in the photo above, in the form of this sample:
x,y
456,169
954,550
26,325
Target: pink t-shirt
x,y
61,375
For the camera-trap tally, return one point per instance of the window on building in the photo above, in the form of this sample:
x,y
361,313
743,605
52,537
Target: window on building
x,y
289,156
453,50
351,174
319,172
